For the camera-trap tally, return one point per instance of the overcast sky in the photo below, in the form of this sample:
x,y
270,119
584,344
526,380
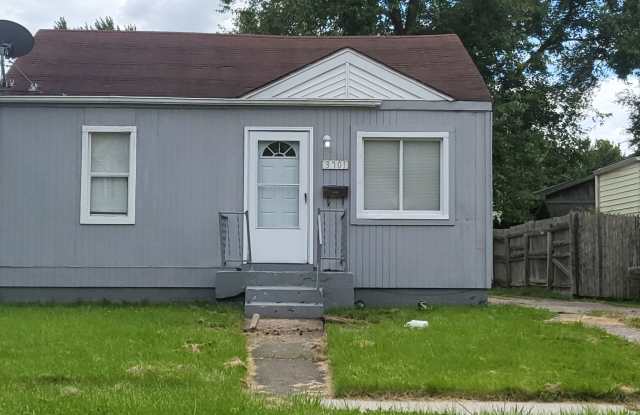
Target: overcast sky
x,y
169,15
203,16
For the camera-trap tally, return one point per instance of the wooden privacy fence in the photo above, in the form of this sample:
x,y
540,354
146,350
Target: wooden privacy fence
x,y
585,254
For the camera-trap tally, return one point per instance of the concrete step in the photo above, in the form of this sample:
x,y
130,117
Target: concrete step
x,y
277,267
230,283
268,309
283,294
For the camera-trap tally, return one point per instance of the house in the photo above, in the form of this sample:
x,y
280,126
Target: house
x,y
618,187
562,198
305,172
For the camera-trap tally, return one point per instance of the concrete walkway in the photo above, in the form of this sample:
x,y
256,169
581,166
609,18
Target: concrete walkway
x,y
607,317
287,357
467,407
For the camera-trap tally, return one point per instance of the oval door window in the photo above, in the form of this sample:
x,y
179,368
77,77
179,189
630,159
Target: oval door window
x,y
278,184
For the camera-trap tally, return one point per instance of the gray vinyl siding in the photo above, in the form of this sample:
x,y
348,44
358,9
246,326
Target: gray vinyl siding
x,y
619,190
190,167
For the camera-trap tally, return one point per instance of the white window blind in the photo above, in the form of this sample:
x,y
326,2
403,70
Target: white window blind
x,y
278,184
110,152
421,175
109,173
381,175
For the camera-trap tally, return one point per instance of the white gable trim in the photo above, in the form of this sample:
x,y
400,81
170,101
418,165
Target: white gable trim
x,y
347,74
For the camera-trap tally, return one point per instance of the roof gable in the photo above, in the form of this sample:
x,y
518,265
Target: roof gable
x,y
347,74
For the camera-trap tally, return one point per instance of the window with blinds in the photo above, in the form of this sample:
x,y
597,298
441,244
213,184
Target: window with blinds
x,y
108,172
402,175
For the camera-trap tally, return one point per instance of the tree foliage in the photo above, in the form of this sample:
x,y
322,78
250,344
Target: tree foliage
x,y
623,28
632,101
105,24
540,58
601,153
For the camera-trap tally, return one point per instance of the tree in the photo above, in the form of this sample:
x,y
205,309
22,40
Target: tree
x,y
61,24
632,101
624,31
308,17
540,58
602,153
105,24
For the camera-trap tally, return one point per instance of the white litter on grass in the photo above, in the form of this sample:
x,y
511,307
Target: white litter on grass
x,y
417,324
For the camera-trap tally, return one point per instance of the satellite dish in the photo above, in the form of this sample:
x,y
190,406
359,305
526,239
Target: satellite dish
x,y
15,41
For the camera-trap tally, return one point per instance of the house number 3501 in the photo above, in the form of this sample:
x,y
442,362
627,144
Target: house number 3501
x,y
335,164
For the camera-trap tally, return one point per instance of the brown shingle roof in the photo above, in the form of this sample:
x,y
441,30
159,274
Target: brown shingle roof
x,y
174,64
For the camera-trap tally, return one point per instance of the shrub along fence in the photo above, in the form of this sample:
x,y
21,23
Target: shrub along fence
x,y
585,254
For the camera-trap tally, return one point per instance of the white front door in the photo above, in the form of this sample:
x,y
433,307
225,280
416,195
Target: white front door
x,y
278,194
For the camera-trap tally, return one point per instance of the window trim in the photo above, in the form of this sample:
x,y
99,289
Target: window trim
x,y
441,214
86,218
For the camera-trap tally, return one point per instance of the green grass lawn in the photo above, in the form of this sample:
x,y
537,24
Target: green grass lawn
x,y
126,360
176,359
497,352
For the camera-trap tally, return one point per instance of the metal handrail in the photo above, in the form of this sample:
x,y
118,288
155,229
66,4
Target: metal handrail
x,y
242,226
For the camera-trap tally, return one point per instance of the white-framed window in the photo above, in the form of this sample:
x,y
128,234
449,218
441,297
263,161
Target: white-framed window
x,y
402,175
108,190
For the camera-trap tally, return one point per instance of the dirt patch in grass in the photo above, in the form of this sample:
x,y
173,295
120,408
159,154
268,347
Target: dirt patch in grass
x,y
591,320
613,317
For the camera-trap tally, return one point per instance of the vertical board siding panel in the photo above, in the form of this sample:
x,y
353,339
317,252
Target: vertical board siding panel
x,y
479,186
362,273
6,177
357,256
336,146
382,254
342,128
391,257
371,262
488,213
375,263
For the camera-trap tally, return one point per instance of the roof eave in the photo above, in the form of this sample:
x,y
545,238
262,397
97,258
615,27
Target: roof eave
x,y
562,186
617,165
141,100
